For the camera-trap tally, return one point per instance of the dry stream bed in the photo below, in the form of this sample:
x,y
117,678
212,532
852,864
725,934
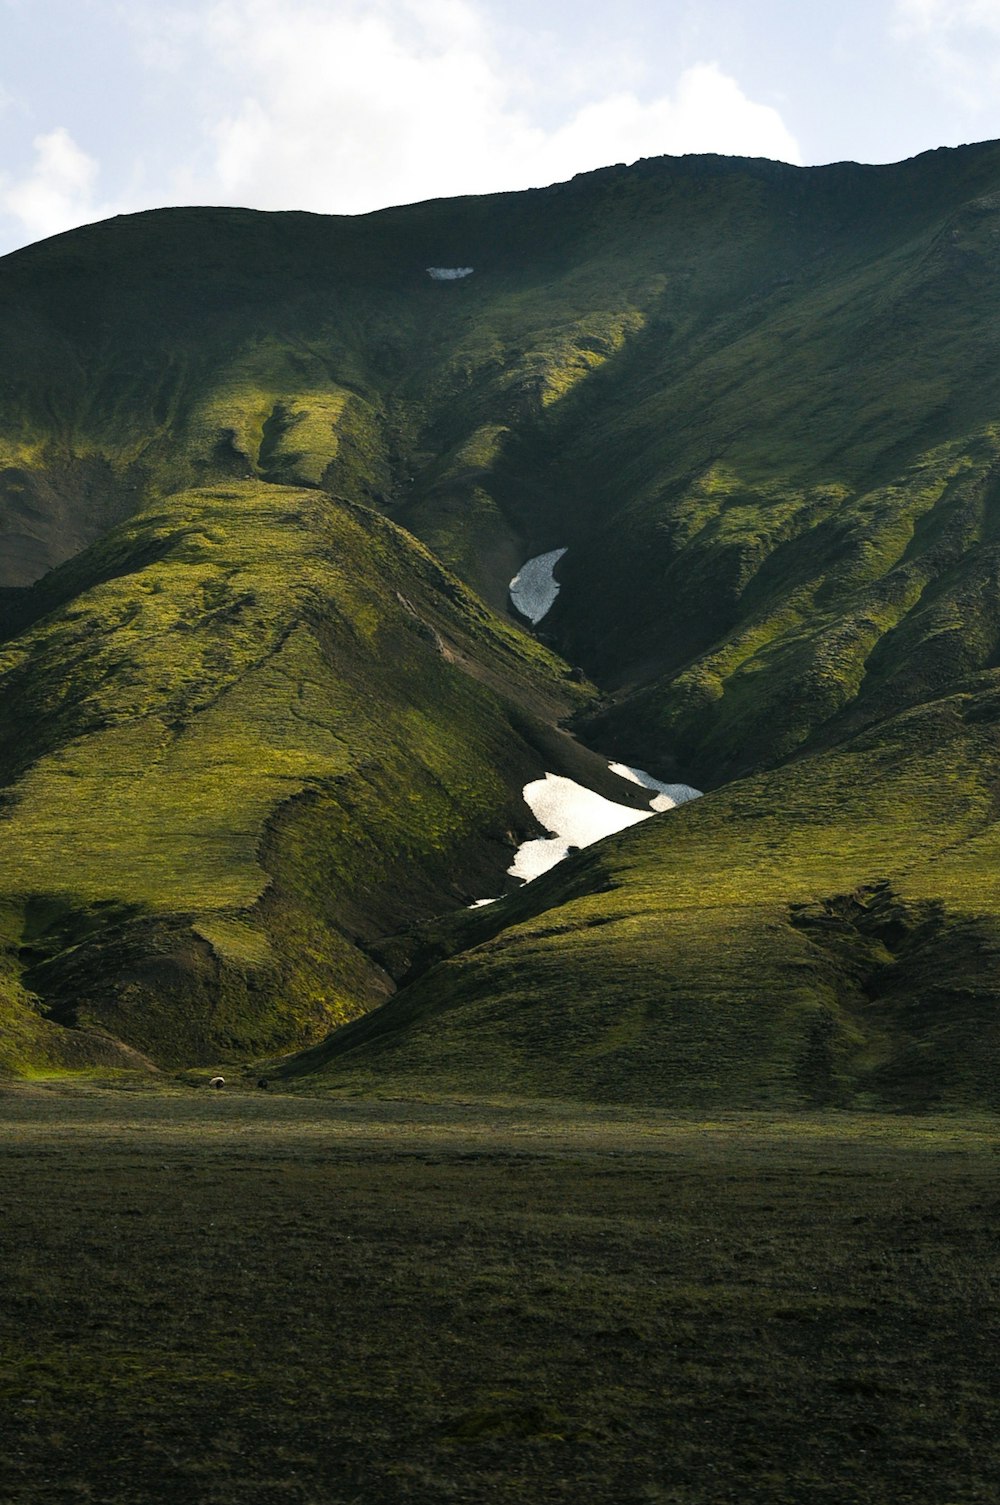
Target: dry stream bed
x,y
212,1297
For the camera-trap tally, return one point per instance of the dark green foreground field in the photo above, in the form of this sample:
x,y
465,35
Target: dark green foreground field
x,y
234,1297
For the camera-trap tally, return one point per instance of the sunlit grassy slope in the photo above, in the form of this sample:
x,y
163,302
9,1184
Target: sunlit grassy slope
x,y
257,728
251,731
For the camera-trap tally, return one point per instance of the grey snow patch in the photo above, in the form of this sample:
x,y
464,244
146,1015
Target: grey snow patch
x,y
668,797
534,588
449,274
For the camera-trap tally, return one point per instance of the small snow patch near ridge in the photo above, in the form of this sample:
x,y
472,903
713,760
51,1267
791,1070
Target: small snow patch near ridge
x,y
669,795
575,816
534,588
449,274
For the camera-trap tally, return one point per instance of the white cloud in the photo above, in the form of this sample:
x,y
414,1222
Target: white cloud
x,y
57,192
926,17
708,113
959,44
343,106
346,108
351,110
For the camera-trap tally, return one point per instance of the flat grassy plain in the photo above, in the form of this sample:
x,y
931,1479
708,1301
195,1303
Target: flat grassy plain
x,y
249,1296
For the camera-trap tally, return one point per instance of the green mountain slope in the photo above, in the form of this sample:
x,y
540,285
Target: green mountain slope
x,y
248,731
251,732
828,933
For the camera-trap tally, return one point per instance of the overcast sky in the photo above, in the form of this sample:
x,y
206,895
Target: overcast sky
x,y
108,106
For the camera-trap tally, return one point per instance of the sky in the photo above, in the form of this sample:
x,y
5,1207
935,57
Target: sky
x,y
343,106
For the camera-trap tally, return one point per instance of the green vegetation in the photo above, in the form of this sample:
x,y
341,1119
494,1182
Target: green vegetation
x,y
260,728
779,499
260,748
264,727
823,934
236,1297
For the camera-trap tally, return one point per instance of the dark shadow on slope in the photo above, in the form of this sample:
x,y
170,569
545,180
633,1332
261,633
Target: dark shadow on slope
x,y
921,982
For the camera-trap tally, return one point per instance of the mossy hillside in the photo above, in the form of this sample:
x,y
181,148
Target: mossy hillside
x,y
860,610
31,1044
824,456
285,729
743,479
632,278
184,346
826,933
757,403
696,373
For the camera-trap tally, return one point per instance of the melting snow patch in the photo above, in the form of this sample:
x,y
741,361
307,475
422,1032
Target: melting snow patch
x,y
449,274
575,816
533,589
669,796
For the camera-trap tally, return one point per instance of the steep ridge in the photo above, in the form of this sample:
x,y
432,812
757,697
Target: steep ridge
x,y
756,405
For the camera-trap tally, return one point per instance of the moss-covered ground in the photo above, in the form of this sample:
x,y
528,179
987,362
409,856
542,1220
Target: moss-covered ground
x,y
219,1297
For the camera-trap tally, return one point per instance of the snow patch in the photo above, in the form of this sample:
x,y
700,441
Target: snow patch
x,y
534,588
449,274
669,796
576,817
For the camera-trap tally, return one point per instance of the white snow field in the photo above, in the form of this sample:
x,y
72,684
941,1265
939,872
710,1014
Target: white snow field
x,y
449,274
533,589
669,795
576,817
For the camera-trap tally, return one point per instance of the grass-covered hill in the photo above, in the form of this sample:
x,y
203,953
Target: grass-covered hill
x,y
244,734
251,730
827,933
